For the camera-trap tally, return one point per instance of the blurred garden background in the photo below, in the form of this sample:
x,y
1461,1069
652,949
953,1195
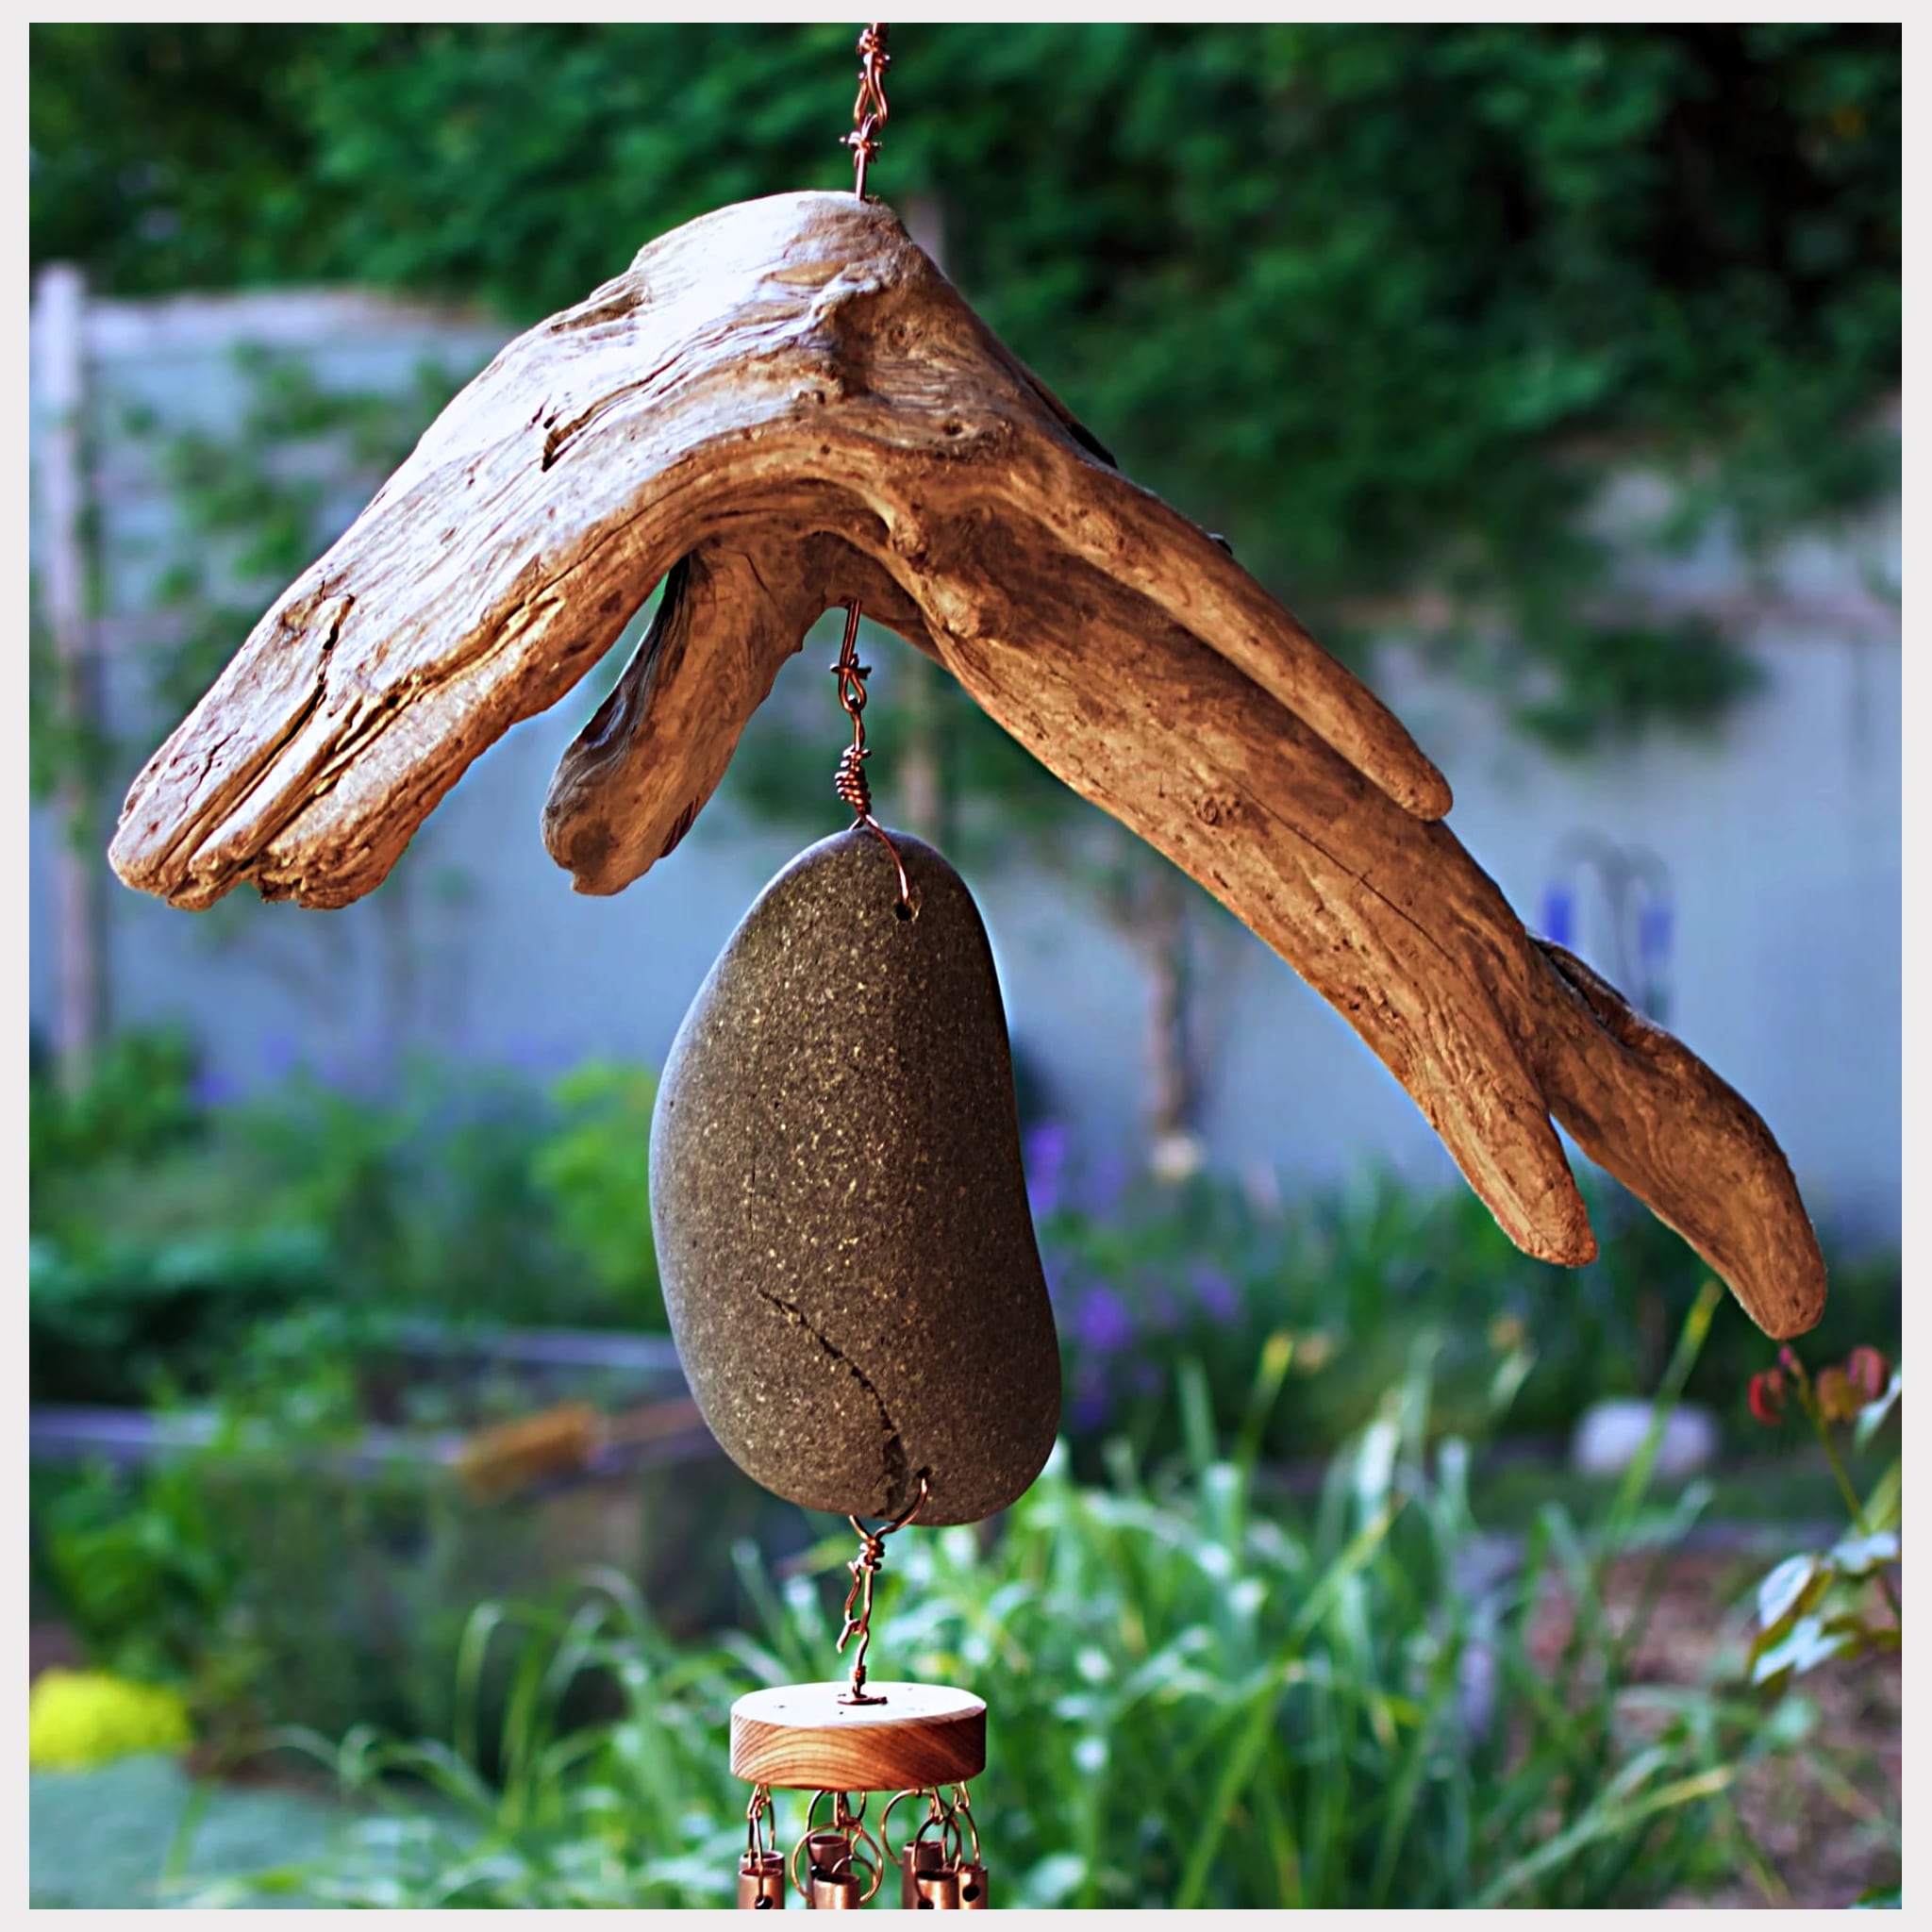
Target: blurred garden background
x,y
1551,375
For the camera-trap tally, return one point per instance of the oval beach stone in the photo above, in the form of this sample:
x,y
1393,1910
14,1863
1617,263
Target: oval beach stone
x,y
839,1208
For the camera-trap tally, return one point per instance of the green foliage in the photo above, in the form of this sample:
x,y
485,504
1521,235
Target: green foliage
x,y
63,747
1838,1602
136,1103
259,502
140,1589
164,1230
258,1580
595,1170
424,1191
1196,1704
1360,1275
150,1248
1386,305
287,1568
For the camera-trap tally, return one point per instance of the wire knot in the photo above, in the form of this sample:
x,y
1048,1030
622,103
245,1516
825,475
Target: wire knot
x,y
870,111
850,781
864,1568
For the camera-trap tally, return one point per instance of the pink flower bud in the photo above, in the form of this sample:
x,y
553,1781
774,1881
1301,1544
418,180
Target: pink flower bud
x,y
1868,1373
1837,1401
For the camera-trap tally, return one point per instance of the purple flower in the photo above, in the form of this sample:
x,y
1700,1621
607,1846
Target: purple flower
x,y
1045,1160
1101,1322
211,1088
1089,1403
337,1074
1216,1295
1558,907
1654,932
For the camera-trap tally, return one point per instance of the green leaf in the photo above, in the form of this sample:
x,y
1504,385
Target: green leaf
x,y
1858,1555
1788,1587
1872,1417
1883,1506
1807,1644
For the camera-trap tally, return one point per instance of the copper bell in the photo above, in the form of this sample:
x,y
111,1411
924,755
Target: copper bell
x,y
972,1889
921,1854
761,1882
833,1886
936,1889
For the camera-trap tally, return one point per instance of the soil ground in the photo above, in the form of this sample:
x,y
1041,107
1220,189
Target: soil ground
x,y
1828,1818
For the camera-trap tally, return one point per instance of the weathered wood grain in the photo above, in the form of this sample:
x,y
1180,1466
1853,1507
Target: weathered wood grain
x,y
785,405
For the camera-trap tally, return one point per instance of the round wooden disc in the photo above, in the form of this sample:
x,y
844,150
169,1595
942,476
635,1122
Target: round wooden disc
x,y
800,1737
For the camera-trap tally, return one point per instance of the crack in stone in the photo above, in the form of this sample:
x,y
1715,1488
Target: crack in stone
x,y
895,1469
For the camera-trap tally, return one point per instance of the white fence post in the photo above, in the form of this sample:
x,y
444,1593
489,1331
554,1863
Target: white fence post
x,y
60,365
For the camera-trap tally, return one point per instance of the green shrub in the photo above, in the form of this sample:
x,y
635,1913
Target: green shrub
x,y
424,1191
138,1103
595,1172
1191,1703
164,1230
281,1574
1358,1275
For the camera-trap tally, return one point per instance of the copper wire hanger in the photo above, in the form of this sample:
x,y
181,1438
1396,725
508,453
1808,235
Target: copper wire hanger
x,y
868,112
864,1568
850,781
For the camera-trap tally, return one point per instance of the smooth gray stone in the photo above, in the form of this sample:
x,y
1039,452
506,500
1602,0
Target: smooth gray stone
x,y
1610,1433
839,1203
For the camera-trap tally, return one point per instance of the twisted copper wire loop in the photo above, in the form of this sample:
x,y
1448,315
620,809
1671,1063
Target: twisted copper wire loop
x,y
755,1815
939,1813
870,111
850,1826
850,781
864,1567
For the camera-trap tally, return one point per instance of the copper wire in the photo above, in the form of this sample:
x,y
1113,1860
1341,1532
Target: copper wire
x,y
864,1568
870,111
862,1849
940,1816
850,781
756,1812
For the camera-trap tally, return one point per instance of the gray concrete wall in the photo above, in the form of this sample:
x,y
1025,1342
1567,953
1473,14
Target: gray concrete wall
x,y
1780,832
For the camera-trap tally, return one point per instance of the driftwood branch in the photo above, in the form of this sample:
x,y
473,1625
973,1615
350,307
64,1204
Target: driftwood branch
x,y
785,405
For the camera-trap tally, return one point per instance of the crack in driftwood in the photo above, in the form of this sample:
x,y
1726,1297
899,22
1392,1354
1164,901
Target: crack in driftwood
x,y
785,405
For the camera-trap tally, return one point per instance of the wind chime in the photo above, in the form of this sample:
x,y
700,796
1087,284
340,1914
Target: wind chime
x,y
854,1287
781,409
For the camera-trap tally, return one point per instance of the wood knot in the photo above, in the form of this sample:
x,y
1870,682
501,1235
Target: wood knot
x,y
1217,809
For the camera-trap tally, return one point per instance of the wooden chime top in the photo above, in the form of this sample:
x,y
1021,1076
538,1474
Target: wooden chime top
x,y
805,1738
